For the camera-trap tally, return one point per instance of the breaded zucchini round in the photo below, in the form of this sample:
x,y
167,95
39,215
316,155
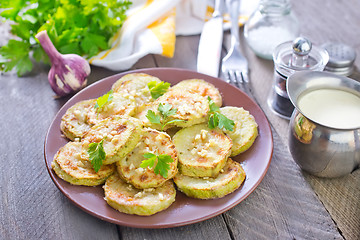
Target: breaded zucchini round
x,y
201,87
121,105
202,151
155,142
230,178
120,137
136,85
190,108
69,166
128,199
245,130
74,123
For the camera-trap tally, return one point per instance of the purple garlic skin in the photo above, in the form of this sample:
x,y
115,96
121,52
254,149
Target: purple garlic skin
x,y
68,73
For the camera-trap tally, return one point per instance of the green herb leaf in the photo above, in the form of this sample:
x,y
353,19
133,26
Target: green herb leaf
x,y
15,54
96,154
81,27
158,89
301,121
150,160
153,117
102,100
170,122
166,110
212,106
216,119
213,121
162,167
226,123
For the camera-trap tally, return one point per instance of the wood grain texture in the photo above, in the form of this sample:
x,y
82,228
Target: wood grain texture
x,y
31,207
282,207
285,180
309,220
335,21
321,22
341,197
214,228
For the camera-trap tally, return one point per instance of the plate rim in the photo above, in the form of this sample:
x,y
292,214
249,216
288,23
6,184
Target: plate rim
x,y
156,225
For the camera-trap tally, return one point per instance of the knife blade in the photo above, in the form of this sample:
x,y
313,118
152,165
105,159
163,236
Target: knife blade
x,y
211,38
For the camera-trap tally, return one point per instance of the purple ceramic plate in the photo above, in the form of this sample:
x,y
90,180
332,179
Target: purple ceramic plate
x,y
184,210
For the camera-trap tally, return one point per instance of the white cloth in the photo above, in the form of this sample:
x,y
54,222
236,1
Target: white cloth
x,y
151,28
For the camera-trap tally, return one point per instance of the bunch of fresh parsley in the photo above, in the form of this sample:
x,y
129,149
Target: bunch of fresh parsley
x,y
83,27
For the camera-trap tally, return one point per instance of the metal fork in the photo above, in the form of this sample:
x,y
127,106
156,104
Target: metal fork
x,y
234,64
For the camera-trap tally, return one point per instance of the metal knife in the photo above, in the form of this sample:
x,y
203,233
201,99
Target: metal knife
x,y
211,38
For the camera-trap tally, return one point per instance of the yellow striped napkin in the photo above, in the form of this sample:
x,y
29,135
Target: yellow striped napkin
x,y
151,28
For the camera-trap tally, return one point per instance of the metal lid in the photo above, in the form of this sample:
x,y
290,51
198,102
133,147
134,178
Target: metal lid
x,y
301,46
341,58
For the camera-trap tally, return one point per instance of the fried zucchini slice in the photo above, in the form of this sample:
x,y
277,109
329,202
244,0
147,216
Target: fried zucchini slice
x,y
136,85
230,178
120,137
245,129
190,108
202,151
128,199
74,122
71,167
155,142
120,105
201,87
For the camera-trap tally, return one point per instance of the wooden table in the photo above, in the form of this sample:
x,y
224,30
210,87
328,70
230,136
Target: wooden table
x,y
288,203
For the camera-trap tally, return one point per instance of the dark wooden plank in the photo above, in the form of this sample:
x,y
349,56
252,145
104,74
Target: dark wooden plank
x,y
214,228
269,210
282,220
321,22
336,21
31,207
283,206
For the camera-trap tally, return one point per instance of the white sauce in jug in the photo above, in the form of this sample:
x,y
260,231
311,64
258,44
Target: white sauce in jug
x,y
331,107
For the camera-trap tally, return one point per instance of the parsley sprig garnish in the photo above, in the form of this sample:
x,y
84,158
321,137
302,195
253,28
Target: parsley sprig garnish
x,y
162,166
96,154
216,119
301,120
102,100
165,111
81,27
157,89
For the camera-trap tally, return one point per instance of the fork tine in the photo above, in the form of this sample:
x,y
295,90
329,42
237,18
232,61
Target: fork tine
x,y
226,75
239,78
245,76
232,76
234,64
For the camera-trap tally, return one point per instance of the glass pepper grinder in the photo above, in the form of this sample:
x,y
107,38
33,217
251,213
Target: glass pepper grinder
x,y
270,25
290,57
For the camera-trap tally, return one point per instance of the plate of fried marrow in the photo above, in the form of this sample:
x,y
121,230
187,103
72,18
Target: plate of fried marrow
x,y
158,148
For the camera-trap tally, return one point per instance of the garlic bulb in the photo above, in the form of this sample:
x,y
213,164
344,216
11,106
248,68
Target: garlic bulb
x,y
68,73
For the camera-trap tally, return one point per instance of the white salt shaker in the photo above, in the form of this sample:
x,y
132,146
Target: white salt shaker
x,y
270,25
